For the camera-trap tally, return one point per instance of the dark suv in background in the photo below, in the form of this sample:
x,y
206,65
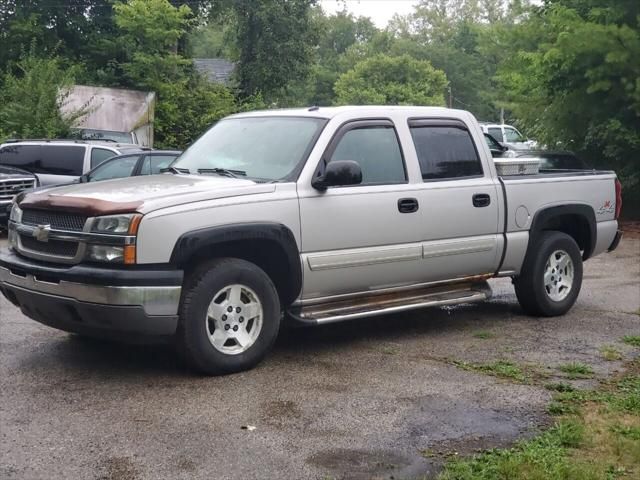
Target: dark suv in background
x,y
12,182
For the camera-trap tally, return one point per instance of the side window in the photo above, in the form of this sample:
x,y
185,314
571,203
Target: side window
x,y
99,155
377,151
154,163
117,168
445,152
496,133
513,135
21,156
61,160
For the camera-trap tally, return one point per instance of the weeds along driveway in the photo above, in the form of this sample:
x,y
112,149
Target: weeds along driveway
x,y
392,396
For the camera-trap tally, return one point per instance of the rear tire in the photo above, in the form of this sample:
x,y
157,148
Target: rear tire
x,y
229,317
551,276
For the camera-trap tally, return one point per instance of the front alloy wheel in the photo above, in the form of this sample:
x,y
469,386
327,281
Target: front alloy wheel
x,y
229,316
234,319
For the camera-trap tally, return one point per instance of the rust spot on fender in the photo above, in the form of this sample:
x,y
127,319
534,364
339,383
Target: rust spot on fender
x,y
80,205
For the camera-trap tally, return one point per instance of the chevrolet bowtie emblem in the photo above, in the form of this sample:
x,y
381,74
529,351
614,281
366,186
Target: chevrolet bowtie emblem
x,y
41,233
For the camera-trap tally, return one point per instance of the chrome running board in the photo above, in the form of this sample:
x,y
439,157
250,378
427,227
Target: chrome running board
x,y
381,304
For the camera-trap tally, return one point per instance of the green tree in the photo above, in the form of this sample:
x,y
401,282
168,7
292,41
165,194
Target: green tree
x,y
336,35
186,108
151,31
76,30
186,103
385,80
578,87
274,39
31,97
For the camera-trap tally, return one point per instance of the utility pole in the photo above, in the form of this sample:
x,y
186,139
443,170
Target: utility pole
x,y
450,97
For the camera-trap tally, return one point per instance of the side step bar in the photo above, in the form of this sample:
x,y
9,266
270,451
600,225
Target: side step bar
x,y
391,303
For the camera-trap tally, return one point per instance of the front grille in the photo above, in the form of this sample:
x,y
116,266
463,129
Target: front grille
x,y
10,188
57,220
56,248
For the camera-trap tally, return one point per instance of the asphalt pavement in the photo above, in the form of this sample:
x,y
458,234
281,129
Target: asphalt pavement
x,y
380,398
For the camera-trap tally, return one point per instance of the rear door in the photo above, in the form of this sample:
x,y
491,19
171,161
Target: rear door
x,y
459,214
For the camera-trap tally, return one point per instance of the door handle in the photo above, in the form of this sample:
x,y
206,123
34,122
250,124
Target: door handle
x,y
481,200
408,205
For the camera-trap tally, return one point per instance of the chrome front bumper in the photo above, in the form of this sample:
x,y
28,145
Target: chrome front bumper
x,y
153,300
119,303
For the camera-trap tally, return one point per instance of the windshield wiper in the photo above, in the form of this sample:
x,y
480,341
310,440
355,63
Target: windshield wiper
x,y
224,171
175,170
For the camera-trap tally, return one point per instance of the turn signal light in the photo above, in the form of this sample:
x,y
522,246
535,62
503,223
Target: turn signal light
x,y
129,254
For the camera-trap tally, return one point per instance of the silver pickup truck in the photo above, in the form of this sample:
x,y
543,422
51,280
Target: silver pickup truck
x,y
314,215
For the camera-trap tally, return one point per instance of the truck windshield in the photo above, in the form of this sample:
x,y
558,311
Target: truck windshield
x,y
262,148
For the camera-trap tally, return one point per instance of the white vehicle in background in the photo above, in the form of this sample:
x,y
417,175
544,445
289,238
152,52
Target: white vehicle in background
x,y
57,162
509,136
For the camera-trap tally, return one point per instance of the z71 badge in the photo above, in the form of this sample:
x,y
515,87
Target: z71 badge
x,y
608,207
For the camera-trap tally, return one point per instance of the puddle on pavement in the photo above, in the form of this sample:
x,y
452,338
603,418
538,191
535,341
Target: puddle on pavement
x,y
358,464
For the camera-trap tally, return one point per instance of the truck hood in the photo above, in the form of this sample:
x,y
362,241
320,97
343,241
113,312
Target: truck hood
x,y
142,194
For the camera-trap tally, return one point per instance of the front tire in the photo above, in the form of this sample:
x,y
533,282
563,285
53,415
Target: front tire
x,y
229,317
551,276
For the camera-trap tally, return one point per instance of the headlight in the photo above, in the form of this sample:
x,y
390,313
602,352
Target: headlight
x,y
125,225
16,213
117,224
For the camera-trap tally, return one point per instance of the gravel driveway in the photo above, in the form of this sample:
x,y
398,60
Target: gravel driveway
x,y
381,398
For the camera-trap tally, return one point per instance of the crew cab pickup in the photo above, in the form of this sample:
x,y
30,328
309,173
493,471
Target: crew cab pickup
x,y
315,215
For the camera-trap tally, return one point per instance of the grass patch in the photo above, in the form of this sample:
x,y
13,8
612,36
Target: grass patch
x,y
575,370
505,369
559,387
562,408
544,457
596,436
483,334
610,353
500,368
626,431
633,340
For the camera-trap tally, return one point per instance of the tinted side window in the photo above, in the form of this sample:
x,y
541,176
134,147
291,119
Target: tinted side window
x,y
117,168
445,152
99,155
61,160
377,151
496,133
21,156
154,163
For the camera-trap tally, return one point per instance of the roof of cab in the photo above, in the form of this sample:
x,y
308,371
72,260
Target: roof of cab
x,y
330,112
64,141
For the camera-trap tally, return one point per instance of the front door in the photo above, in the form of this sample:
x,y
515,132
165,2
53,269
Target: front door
x,y
363,237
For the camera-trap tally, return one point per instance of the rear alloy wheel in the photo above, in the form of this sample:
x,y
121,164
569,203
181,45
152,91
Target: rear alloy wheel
x,y
558,275
229,316
551,276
